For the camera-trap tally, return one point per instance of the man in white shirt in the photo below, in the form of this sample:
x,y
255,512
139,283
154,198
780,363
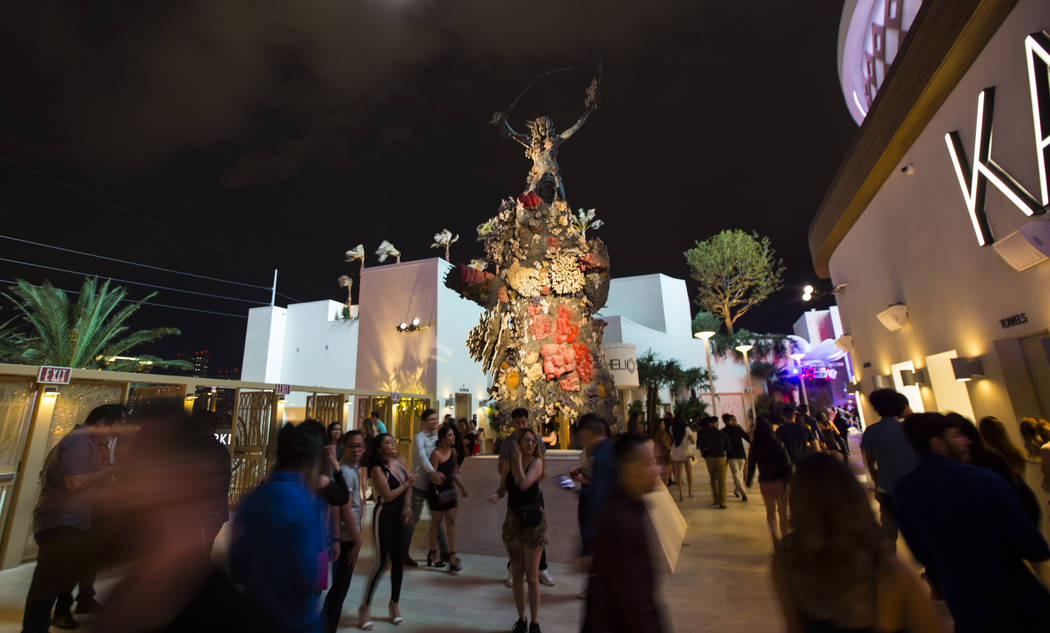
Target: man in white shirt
x,y
422,446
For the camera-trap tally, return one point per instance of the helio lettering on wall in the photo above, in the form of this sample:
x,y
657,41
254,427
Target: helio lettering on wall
x,y
974,181
1016,319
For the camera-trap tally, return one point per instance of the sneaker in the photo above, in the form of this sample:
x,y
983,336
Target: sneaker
x,y
546,579
743,497
508,581
64,621
736,494
722,506
520,627
88,606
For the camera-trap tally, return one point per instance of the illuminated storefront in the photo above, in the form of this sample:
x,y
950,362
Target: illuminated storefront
x,y
937,237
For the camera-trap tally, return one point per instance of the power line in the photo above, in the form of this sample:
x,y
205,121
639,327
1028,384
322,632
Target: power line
x,y
128,281
157,305
147,219
124,261
292,299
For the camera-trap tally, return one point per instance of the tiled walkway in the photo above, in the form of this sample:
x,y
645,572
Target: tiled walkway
x,y
721,584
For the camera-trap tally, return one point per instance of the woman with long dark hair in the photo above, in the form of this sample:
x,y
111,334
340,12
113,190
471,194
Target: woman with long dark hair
x,y
770,457
525,526
683,447
985,456
441,498
335,438
392,482
835,572
994,433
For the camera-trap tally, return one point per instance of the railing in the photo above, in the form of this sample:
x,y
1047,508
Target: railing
x,y
250,413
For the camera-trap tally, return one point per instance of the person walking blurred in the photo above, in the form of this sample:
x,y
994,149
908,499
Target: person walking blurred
x,y
349,546
770,458
596,482
683,449
984,456
737,456
966,524
887,453
714,446
441,498
278,533
662,445
525,525
796,437
392,519
834,572
624,577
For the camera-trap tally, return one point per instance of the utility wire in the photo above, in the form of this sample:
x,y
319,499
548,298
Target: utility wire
x,y
157,305
124,261
128,281
147,219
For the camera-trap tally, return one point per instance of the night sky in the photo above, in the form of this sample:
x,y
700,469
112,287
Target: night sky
x,y
284,133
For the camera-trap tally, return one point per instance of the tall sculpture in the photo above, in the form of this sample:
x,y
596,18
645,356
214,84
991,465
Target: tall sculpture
x,y
538,337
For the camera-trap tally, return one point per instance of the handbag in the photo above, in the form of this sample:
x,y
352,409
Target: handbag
x,y
530,515
446,496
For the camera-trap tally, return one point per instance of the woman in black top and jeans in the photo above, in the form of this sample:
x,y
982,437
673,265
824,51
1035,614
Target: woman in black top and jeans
x,y
392,483
774,467
525,528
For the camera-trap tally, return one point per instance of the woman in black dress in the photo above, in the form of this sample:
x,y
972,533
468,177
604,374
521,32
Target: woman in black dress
x,y
392,483
525,527
441,498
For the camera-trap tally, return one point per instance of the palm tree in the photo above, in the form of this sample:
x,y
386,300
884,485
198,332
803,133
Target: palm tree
x,y
650,376
87,334
695,379
673,375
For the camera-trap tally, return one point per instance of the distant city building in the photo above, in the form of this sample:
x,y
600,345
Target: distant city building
x,y
201,360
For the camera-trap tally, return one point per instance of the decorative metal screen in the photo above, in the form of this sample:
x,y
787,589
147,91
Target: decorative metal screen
x,y
253,433
325,408
16,409
76,400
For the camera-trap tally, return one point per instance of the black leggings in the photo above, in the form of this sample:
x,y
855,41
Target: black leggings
x,y
342,572
389,534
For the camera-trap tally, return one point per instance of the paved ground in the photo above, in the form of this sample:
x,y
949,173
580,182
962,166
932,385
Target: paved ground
x,y
721,584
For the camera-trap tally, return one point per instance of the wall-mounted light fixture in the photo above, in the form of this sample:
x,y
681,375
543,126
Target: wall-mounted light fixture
x,y
414,326
856,386
967,369
882,381
50,392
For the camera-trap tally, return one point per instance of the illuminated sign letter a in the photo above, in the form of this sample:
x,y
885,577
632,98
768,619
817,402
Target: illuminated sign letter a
x,y
973,182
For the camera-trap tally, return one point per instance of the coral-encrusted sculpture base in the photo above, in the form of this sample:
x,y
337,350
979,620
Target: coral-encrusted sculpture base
x,y
538,337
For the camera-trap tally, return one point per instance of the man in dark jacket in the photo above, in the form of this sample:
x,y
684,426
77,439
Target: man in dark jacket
x,y
737,455
795,436
714,446
966,525
625,581
596,483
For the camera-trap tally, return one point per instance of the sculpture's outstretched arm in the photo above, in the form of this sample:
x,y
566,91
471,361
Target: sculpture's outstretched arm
x,y
590,104
500,120
577,125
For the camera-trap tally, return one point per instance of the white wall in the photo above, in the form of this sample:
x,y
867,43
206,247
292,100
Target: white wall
x,y
320,348
264,344
915,242
389,360
456,371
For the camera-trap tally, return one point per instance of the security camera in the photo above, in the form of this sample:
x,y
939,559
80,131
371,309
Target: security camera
x,y
908,169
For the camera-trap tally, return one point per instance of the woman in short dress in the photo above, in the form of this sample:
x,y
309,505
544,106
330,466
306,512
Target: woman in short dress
x,y
441,498
525,527
774,466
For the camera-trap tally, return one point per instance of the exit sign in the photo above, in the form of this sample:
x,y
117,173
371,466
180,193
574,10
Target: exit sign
x,y
283,390
54,375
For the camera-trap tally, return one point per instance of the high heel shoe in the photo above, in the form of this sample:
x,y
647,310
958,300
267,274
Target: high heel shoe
x,y
453,563
364,621
434,563
395,614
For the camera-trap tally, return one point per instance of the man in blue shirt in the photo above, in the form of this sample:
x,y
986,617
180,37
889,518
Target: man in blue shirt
x,y
279,540
887,453
966,525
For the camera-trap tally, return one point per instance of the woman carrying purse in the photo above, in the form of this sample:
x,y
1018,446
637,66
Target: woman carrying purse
x,y
441,498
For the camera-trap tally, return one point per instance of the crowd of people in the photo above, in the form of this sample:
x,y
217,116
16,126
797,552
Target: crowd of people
x,y
151,493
